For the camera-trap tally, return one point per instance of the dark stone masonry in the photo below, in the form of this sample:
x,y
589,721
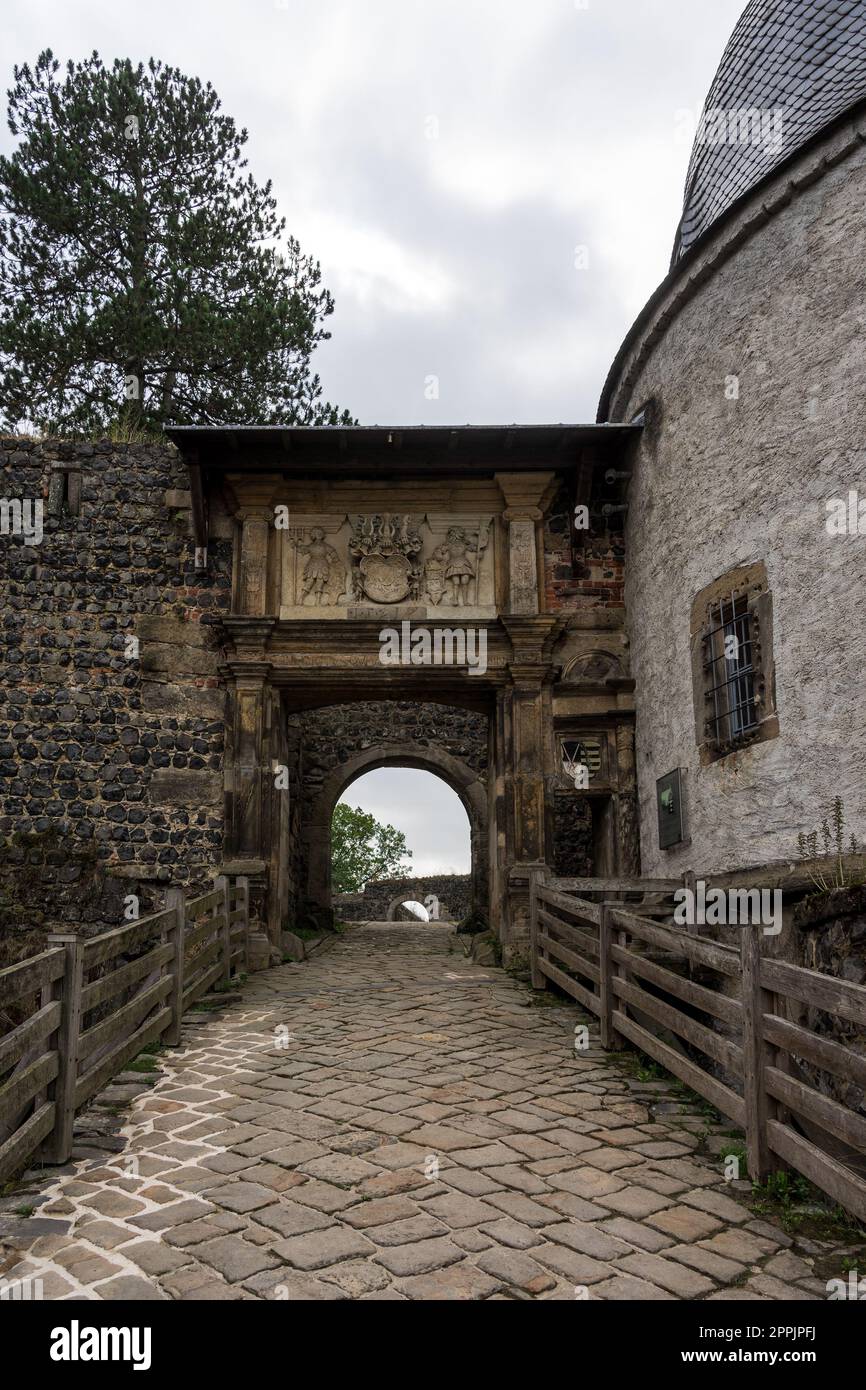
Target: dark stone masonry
x,y
110,762
337,733
381,902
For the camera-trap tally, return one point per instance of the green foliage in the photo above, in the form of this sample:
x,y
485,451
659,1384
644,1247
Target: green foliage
x,y
363,851
829,844
144,274
787,1189
651,1071
144,1062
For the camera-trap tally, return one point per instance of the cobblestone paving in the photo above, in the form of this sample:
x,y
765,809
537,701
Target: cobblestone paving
x,y
390,1121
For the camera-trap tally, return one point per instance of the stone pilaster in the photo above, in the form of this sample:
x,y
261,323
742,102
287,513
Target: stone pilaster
x,y
524,757
526,496
251,588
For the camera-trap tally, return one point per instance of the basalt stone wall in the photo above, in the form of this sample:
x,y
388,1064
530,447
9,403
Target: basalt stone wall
x,y
110,753
832,938
337,733
452,892
572,836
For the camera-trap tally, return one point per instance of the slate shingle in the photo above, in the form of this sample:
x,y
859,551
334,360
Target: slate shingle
x,y
805,57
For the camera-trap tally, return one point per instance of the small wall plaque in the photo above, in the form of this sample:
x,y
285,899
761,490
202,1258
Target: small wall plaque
x,y
669,801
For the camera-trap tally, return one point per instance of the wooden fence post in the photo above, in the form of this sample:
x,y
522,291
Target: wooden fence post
x,y
243,887
58,1145
607,1002
176,932
754,1053
689,882
222,885
537,877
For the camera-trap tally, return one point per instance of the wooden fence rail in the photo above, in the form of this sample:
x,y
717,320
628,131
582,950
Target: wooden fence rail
x,y
626,968
93,1003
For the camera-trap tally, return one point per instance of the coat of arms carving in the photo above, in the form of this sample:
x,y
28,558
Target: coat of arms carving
x,y
385,552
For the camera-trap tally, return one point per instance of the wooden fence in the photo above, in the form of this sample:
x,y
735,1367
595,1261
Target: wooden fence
x,y
621,965
95,1002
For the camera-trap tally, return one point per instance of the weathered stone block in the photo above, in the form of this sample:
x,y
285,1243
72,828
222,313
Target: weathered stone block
x,y
185,701
172,786
155,627
292,946
176,659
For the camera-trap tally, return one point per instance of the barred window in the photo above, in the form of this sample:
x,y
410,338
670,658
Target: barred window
x,y
729,670
732,663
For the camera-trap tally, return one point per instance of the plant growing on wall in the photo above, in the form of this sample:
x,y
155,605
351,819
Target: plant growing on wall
x,y
144,275
363,850
829,844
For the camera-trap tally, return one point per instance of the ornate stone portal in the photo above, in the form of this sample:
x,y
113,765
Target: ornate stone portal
x,y
338,534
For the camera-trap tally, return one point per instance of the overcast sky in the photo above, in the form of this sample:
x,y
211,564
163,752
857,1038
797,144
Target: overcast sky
x,y
451,163
428,812
443,159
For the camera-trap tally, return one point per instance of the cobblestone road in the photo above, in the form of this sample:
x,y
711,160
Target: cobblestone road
x,y
390,1121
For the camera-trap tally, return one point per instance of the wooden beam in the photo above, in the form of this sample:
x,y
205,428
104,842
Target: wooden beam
x,y
199,505
582,497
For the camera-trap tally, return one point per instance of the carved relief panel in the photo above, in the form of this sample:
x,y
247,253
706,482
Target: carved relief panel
x,y
337,566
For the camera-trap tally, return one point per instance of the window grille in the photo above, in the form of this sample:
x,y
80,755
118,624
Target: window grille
x,y
729,671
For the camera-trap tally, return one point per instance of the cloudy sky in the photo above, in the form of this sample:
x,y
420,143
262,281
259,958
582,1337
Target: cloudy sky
x,y
444,160
492,186
428,812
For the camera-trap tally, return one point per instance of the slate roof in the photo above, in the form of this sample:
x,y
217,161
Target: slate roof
x,y
803,58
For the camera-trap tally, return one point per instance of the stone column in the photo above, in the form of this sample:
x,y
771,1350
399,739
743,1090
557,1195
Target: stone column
x,y
526,497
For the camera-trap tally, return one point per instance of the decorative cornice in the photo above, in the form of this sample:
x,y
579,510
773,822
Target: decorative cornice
x,y
533,637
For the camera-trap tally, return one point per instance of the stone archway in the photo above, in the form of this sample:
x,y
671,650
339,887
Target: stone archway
x,y
394,906
458,775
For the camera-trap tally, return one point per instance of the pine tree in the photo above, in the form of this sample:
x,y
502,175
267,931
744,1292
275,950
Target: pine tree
x,y
142,278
